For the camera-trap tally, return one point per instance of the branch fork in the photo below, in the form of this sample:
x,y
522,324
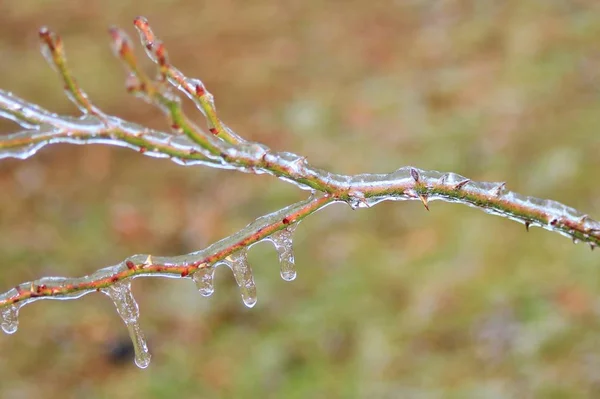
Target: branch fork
x,y
220,147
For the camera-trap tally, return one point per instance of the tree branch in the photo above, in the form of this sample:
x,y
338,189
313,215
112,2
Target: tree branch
x,y
188,144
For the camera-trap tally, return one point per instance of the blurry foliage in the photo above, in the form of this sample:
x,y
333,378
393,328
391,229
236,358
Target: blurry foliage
x,y
393,302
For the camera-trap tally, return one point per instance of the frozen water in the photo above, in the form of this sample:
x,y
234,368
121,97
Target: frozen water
x,y
204,279
9,318
238,263
282,241
127,307
45,49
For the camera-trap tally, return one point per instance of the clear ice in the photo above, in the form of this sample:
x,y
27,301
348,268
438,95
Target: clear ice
x,y
127,307
9,318
282,241
204,280
238,263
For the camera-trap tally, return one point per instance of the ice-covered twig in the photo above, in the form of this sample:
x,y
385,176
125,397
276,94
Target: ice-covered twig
x,y
193,88
53,51
115,281
174,267
188,144
225,149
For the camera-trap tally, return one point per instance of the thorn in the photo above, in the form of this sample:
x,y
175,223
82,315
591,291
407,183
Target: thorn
x,y
415,174
583,219
149,260
442,179
527,226
424,200
461,184
497,191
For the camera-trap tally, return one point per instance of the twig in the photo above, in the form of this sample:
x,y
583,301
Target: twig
x,y
188,144
183,266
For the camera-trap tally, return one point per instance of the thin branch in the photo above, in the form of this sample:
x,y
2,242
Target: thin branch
x,y
53,50
218,151
193,88
188,144
183,266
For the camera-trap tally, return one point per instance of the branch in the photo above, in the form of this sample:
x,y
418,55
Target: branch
x,y
115,281
188,144
225,149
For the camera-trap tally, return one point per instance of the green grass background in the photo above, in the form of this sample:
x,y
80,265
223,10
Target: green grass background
x,y
389,302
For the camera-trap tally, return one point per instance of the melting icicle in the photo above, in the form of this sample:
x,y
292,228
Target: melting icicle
x,y
282,241
238,263
204,280
9,318
127,307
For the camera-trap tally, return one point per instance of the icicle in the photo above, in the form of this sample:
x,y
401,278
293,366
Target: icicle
x,y
127,307
282,241
204,280
238,263
9,318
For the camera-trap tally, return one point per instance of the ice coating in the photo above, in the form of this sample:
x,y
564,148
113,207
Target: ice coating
x,y
45,49
238,263
127,307
65,288
9,318
282,241
204,279
223,148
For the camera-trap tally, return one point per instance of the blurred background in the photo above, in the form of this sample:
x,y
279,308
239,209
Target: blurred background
x,y
389,302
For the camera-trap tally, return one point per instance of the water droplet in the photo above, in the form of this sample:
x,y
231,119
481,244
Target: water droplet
x,y
128,309
204,280
282,241
238,263
9,318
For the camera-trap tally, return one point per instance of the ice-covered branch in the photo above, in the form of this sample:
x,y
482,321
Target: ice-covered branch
x,y
114,281
222,148
188,144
